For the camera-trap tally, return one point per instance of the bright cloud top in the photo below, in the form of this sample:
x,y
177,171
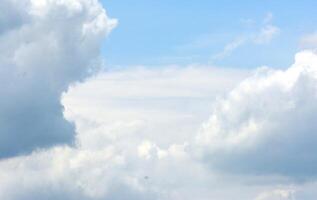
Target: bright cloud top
x,y
44,46
266,125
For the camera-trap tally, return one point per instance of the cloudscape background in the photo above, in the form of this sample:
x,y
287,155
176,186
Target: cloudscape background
x,y
158,100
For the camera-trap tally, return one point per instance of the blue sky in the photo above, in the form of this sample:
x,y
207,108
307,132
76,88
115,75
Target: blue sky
x,y
187,32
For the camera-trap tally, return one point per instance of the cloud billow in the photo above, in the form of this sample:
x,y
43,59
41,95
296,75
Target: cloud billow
x,y
266,125
136,128
44,46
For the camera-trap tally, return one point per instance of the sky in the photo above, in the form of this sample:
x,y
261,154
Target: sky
x,y
141,100
169,32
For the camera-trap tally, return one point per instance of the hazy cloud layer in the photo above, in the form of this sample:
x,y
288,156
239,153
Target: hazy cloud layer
x,y
264,35
277,194
44,46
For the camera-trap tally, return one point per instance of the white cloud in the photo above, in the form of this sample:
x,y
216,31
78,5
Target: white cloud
x,y
277,194
135,128
153,100
44,46
266,125
131,126
264,35
268,31
229,48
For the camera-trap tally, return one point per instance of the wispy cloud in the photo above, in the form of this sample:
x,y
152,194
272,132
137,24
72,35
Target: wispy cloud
x,y
229,48
264,35
267,32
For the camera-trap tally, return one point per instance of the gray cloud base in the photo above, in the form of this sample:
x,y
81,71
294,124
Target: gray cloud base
x,y
44,46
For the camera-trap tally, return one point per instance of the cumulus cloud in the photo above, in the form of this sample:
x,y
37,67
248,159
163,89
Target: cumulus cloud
x,y
266,125
44,46
135,130
131,126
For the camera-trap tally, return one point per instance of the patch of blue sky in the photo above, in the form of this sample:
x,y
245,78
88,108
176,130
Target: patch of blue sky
x,y
164,32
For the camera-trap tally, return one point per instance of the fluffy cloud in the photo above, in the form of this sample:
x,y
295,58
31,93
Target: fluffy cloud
x,y
266,125
44,46
135,130
131,126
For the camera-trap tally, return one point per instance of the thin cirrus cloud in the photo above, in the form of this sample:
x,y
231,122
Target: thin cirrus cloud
x,y
263,36
44,46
